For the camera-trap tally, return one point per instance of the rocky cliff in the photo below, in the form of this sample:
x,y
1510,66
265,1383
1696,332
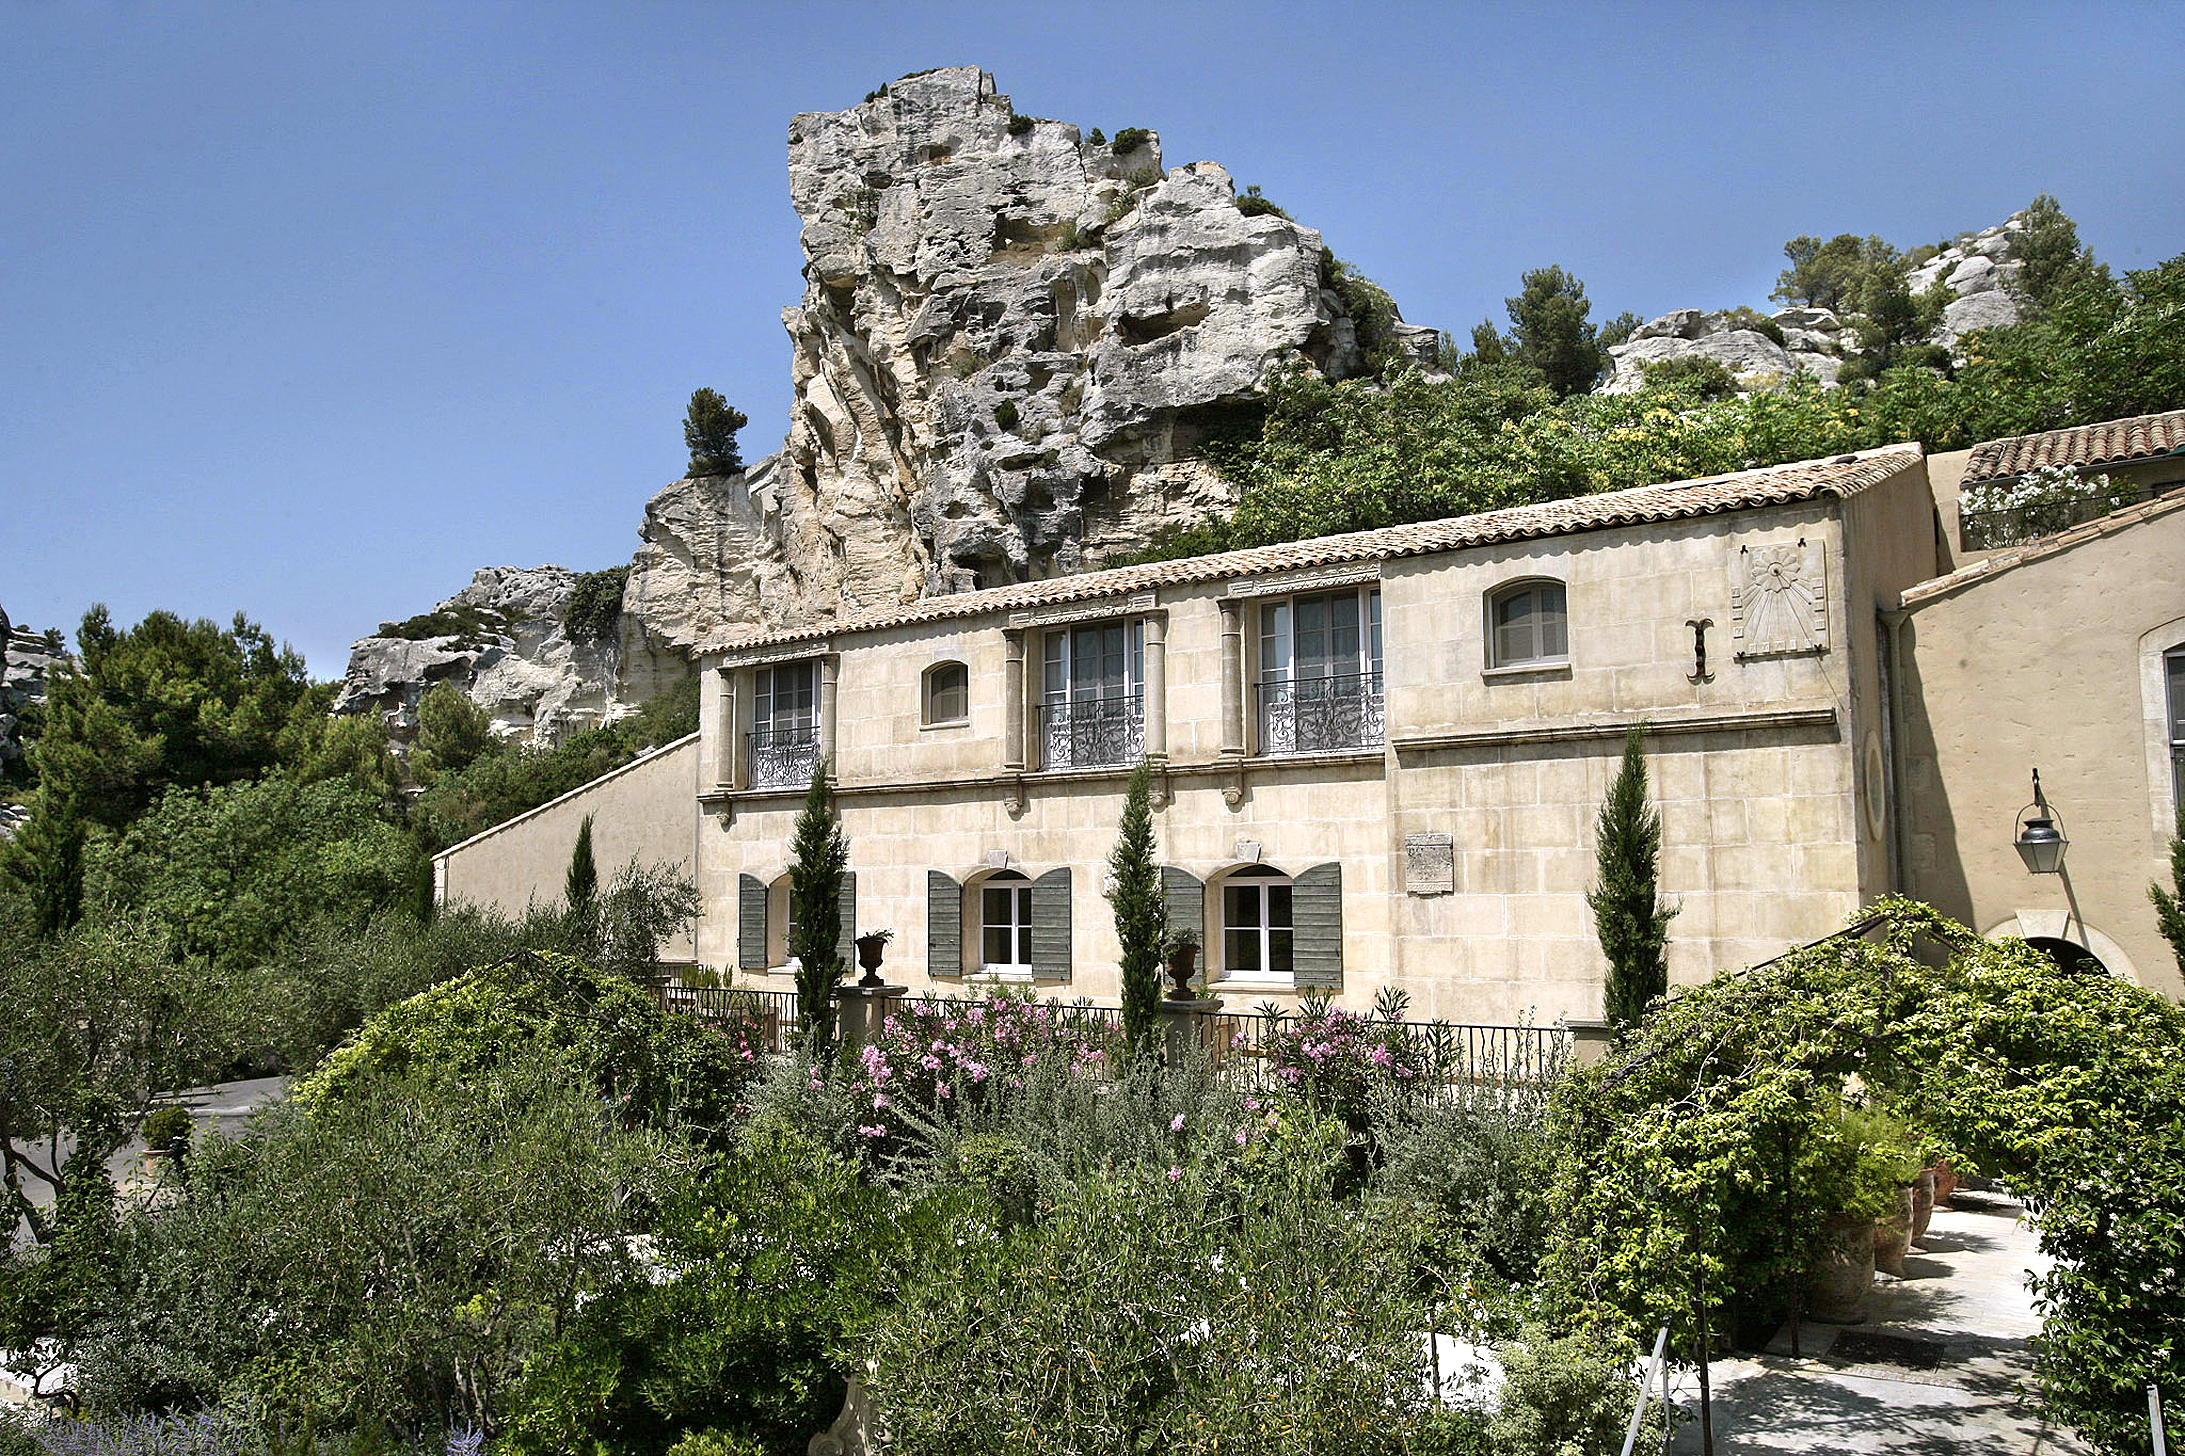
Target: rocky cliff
x,y
27,661
1012,339
1976,269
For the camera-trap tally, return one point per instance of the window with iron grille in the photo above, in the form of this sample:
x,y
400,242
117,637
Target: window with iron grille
x,y
1319,682
1092,707
785,724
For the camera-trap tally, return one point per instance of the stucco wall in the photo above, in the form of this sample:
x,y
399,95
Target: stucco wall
x,y
2050,663
645,810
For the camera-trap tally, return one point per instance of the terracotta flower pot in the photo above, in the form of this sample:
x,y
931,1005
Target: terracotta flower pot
x,y
1893,1237
1945,1183
1842,1270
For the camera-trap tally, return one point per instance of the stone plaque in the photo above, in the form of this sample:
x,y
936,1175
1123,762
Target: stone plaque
x,y
1430,864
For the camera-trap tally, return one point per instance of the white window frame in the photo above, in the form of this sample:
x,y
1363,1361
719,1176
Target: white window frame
x,y
1536,654
1276,664
929,715
2173,671
1059,685
1258,881
1017,929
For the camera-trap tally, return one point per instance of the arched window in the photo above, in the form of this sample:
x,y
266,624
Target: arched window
x,y
1005,924
1255,925
2173,666
947,694
1527,625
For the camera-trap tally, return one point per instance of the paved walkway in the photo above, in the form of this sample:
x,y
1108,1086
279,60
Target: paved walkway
x,y
1940,1365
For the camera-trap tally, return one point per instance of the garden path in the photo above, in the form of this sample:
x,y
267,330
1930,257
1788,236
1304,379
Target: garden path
x,y
1942,1363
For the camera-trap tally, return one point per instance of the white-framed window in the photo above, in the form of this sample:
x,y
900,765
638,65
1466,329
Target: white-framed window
x,y
1320,672
1092,706
785,724
947,694
2173,672
1256,935
1527,624
1005,925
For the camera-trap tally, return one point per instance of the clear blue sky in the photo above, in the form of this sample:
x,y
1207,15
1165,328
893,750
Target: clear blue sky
x,y
307,310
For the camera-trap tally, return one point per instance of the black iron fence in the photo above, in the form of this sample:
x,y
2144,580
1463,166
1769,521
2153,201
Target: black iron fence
x,y
1445,1054
784,756
1313,714
1078,731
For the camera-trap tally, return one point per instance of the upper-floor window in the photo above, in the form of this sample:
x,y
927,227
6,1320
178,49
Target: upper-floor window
x,y
1320,672
2173,664
785,724
1092,706
947,694
1527,625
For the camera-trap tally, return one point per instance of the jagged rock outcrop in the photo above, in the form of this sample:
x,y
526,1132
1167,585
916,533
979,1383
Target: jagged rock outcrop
x,y
1754,359
1978,269
503,639
27,661
1012,339
1010,342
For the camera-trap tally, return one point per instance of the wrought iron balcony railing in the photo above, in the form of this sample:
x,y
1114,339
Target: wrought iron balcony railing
x,y
1077,731
784,755
1314,714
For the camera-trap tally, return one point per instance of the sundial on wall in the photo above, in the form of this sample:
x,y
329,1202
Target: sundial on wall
x,y
1778,599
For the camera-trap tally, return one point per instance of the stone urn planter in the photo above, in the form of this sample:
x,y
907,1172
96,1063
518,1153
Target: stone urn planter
x,y
1923,1203
1843,1268
1181,950
1893,1236
1945,1183
871,949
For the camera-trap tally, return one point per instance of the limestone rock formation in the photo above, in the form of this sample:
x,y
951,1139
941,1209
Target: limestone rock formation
x,y
1756,360
27,662
1011,341
503,639
1978,269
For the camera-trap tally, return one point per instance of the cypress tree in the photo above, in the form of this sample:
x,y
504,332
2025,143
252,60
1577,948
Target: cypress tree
x,y
1135,892
1633,925
580,887
2170,903
819,857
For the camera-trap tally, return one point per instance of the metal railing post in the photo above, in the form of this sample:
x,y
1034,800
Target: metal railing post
x,y
1646,1382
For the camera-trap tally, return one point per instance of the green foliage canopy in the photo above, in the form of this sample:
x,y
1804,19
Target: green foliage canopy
x,y
709,429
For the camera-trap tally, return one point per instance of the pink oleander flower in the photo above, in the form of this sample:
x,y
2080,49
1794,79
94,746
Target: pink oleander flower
x,y
1242,1135
930,1062
873,1131
880,1100
1174,1174
1251,1104
1176,1123
940,1089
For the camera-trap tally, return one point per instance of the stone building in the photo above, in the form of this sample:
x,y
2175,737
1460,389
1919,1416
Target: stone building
x,y
1379,756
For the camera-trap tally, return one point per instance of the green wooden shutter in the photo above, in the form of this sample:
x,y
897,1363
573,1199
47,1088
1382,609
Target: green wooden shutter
x,y
751,922
846,946
944,925
1316,920
1051,926
1184,895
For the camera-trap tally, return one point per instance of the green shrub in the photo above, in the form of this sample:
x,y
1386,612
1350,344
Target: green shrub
x,y
1251,204
1128,140
1695,375
167,1130
595,604
472,626
1097,137
1020,125
1568,1396
1746,317
1005,414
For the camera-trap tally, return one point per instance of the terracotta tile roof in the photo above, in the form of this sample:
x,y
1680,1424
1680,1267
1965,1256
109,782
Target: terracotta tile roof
x,y
1841,476
2047,546
2102,444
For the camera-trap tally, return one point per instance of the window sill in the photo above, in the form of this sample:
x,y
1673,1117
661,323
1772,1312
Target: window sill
x,y
1255,983
945,723
1554,667
998,978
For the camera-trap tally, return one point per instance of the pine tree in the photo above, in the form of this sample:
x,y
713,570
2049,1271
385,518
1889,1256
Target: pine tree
x,y
45,858
1550,330
1135,892
819,857
2170,903
709,428
1633,925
